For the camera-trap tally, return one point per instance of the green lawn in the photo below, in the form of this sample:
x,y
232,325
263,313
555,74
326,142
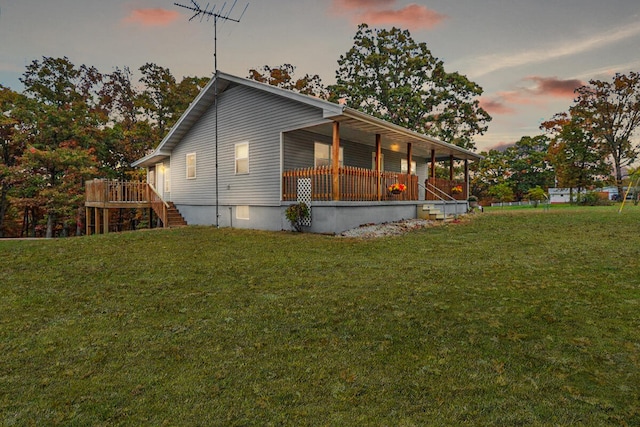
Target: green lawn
x,y
520,317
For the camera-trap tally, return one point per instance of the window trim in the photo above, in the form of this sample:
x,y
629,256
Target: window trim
x,y
236,158
404,166
192,167
328,146
241,210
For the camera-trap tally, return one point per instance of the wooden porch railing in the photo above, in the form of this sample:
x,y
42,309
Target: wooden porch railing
x,y
159,206
102,193
446,186
356,184
105,191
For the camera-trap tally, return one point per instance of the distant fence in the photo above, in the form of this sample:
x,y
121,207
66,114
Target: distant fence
x,y
522,203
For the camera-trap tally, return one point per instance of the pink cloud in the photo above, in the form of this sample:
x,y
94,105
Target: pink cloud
x,y
555,87
545,87
412,16
361,4
383,12
519,97
152,17
495,106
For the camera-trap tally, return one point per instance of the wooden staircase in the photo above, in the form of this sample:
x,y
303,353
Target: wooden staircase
x,y
174,217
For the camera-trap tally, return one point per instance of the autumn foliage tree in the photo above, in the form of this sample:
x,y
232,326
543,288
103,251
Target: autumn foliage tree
x,y
283,76
578,160
11,147
389,75
610,112
79,123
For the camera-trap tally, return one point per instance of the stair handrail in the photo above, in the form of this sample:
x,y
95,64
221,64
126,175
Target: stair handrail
x,y
156,201
434,194
441,192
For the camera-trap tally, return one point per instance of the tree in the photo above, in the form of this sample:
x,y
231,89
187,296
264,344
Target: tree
x,y
163,100
536,194
528,164
610,112
579,162
130,134
502,192
11,147
492,170
283,76
521,167
64,123
59,176
390,76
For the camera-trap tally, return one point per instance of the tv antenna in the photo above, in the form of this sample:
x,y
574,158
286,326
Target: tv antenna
x,y
216,14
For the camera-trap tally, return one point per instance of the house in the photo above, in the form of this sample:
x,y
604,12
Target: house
x,y
563,195
244,151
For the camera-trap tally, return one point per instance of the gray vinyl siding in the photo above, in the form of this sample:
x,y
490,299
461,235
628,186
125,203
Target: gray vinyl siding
x,y
245,115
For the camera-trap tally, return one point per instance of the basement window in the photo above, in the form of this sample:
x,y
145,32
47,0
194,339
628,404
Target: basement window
x,y
242,212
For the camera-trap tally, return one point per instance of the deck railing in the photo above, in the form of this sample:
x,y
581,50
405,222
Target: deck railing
x,y
105,191
447,186
356,184
159,206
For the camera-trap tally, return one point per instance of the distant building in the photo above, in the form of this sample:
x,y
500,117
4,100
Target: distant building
x,y
563,195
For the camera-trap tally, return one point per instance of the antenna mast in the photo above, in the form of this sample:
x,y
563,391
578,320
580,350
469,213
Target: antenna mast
x,y
216,14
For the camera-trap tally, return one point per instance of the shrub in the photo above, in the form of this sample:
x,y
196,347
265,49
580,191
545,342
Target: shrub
x,y
593,198
296,214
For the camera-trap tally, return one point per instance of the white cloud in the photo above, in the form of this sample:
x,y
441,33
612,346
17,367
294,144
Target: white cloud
x,y
490,63
609,70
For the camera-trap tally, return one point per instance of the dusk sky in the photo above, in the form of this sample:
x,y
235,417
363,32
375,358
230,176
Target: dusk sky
x,y
528,55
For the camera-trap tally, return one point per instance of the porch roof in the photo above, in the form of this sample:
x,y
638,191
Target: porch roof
x,y
356,125
360,127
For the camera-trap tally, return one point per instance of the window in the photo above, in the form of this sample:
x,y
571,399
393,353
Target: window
x,y
373,161
322,155
191,166
404,169
167,179
242,158
242,212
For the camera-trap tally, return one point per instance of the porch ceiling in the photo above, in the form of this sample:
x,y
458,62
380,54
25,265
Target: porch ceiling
x,y
393,138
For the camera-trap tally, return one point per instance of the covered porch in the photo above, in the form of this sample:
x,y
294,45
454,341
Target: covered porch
x,y
398,156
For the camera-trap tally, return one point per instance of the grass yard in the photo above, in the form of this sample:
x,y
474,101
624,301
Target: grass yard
x,y
520,317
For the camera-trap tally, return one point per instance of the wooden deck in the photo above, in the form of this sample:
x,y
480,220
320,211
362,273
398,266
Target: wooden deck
x,y
102,195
